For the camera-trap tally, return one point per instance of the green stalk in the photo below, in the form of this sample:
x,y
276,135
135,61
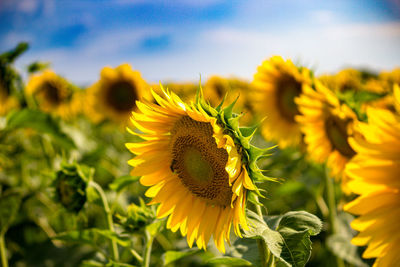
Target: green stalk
x,y
330,193
3,253
136,255
110,225
147,252
262,249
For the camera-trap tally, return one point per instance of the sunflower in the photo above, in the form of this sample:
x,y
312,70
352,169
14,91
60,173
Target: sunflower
x,y
390,78
52,93
196,162
185,90
218,88
215,89
326,125
374,175
7,101
276,84
396,95
114,95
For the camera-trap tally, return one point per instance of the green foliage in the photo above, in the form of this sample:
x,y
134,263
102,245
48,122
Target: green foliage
x,y
9,207
289,239
92,237
71,183
10,56
229,261
122,182
355,99
41,122
340,244
173,256
37,66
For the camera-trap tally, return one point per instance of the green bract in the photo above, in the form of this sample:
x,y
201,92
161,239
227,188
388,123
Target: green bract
x,y
71,183
242,137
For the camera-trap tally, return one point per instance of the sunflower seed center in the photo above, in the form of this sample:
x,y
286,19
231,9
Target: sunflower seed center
x,y
336,130
198,162
288,90
51,93
121,96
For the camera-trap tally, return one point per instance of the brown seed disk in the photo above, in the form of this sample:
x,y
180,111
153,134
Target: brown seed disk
x,y
288,88
198,162
121,96
336,130
51,93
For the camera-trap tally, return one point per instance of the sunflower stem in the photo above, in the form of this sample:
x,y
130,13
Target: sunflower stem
x,y
136,255
110,225
3,253
330,193
262,249
147,252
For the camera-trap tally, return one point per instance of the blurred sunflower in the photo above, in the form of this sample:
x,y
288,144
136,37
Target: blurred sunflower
x,y
114,95
326,125
374,174
52,93
197,164
186,90
217,88
7,101
348,80
396,95
390,78
276,84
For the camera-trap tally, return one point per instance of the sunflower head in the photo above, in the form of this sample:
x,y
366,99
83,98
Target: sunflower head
x,y
276,84
198,163
185,90
326,124
114,96
217,89
52,93
374,176
7,101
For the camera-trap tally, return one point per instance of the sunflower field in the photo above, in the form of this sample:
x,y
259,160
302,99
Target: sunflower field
x,y
286,169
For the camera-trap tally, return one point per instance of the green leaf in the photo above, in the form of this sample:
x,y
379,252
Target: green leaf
x,y
259,229
300,221
37,66
155,227
92,263
41,122
10,56
290,241
92,237
339,244
229,261
121,182
9,206
172,256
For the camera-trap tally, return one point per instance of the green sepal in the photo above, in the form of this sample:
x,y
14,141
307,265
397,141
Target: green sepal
x,y
218,108
241,136
228,111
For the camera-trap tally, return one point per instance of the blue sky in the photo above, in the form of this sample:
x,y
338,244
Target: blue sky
x,y
182,39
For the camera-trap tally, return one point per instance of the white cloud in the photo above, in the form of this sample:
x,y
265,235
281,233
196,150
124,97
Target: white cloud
x,y
230,51
322,16
28,6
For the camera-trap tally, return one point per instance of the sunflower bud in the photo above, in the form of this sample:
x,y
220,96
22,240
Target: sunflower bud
x,y
137,217
71,183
